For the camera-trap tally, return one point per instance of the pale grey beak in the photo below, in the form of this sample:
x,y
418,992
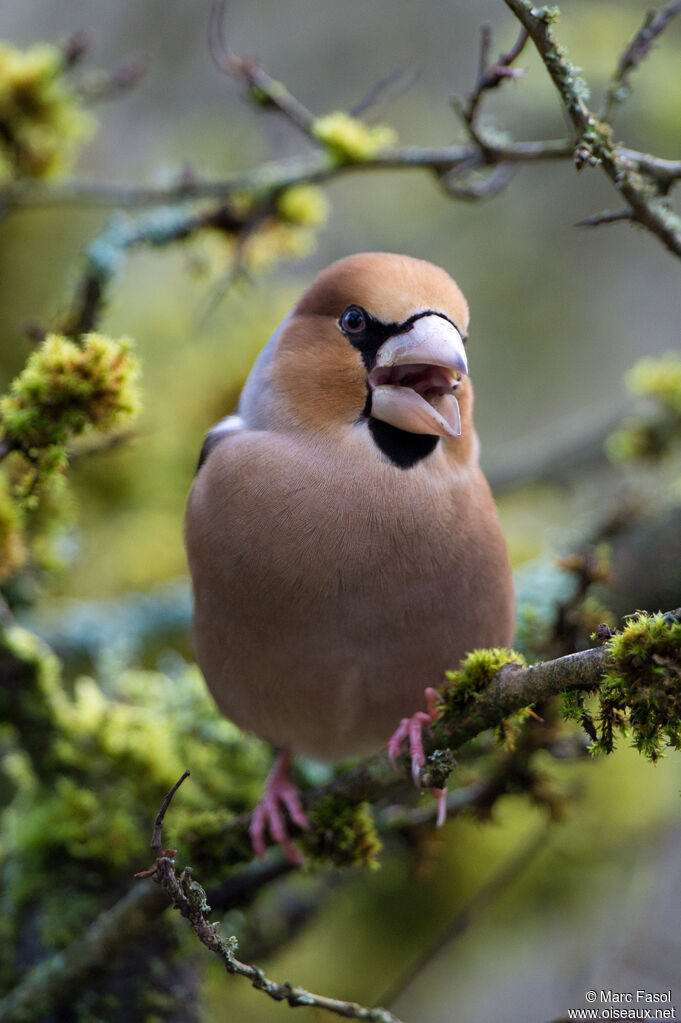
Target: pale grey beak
x,y
414,377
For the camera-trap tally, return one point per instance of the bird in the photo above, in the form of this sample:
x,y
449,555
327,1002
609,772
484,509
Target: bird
x,y
343,543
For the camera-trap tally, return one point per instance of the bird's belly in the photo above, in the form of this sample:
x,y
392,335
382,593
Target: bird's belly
x,y
328,661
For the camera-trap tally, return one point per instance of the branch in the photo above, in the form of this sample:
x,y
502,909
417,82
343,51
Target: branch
x,y
594,138
637,50
190,899
512,689
265,90
490,76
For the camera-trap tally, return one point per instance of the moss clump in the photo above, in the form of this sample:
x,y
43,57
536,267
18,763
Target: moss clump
x,y
341,834
658,381
42,120
350,140
303,204
67,387
475,672
30,693
641,691
12,546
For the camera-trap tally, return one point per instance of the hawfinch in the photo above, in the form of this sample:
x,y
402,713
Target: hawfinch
x,y
342,540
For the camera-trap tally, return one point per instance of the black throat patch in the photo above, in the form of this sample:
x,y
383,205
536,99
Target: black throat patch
x,y
402,448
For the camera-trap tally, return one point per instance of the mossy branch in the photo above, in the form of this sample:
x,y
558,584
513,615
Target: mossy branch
x,y
501,694
635,666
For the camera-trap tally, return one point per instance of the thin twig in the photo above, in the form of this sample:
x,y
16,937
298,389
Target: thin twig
x,y
473,189
605,217
492,76
637,50
98,86
386,90
268,91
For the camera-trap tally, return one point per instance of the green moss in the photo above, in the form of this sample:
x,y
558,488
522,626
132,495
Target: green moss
x,y
101,762
12,545
652,434
67,387
30,693
640,696
349,139
475,672
341,834
42,120
659,379
306,205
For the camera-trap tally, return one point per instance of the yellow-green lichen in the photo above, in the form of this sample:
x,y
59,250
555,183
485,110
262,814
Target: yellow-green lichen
x,y
67,387
351,140
42,120
342,834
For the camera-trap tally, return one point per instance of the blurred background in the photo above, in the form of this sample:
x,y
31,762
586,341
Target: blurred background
x,y
558,314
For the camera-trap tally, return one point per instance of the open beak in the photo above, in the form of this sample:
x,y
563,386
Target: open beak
x,y
415,375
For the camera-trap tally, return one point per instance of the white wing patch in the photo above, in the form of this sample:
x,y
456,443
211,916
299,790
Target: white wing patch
x,y
230,424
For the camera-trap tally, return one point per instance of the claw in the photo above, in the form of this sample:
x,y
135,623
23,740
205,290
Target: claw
x,y
412,730
280,794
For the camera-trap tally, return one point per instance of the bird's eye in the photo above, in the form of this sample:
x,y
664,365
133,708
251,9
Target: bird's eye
x,y
353,320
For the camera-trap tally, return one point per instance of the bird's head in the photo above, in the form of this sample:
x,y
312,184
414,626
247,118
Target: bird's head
x,y
378,340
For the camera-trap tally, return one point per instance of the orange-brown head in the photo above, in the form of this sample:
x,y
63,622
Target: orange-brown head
x,y
378,339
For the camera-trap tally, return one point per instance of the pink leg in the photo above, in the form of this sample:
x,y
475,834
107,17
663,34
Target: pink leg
x,y
412,729
280,794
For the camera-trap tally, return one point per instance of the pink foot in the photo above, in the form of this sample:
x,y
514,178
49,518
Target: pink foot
x,y
280,794
412,729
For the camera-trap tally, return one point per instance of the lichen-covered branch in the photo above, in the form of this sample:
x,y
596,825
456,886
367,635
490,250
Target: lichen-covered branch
x,y
594,141
190,900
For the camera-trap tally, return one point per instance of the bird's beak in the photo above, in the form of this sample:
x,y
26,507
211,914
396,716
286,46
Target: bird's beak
x,y
414,377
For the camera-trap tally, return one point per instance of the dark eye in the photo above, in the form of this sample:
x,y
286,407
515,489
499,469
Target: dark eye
x,y
353,320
